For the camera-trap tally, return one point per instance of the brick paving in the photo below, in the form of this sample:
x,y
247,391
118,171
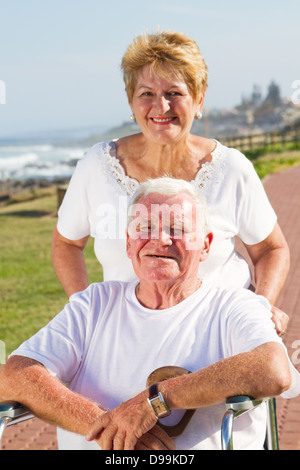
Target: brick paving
x,y
30,435
284,192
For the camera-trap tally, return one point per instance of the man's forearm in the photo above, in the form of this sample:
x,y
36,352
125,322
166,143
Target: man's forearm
x,y
28,382
260,373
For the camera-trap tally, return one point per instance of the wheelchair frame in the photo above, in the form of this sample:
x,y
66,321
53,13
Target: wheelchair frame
x,y
237,405
12,413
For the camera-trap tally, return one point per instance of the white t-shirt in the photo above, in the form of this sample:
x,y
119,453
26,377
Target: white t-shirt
x,y
104,344
97,198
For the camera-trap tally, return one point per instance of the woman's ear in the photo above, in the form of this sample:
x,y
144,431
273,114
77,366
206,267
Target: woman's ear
x,y
201,102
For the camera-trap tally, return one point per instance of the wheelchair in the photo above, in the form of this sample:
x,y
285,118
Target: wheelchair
x,y
12,413
237,405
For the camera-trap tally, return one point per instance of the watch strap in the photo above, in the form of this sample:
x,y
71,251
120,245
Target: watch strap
x,y
155,394
153,391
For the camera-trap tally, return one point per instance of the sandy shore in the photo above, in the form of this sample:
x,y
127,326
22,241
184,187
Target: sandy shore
x,y
11,188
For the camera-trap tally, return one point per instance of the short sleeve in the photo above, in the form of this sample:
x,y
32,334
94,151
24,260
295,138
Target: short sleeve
x,y
73,215
256,217
59,346
249,325
249,322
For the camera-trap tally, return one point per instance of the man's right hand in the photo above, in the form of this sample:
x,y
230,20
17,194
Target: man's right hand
x,y
155,439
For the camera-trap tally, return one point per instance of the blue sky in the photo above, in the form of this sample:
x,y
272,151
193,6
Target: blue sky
x,y
60,59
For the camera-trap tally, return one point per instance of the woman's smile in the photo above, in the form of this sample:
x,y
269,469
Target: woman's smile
x,y
163,120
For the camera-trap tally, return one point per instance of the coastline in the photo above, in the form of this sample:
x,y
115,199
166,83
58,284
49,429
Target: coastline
x,y
12,189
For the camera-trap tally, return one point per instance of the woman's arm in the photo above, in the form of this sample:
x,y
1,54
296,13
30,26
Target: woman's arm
x,y
271,261
69,263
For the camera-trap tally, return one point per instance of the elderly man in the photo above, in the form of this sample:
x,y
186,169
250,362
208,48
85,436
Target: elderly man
x,y
86,371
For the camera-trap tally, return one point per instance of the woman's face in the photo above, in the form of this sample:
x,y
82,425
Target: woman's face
x,y
163,107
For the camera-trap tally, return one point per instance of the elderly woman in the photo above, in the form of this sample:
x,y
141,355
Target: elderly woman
x,y
165,77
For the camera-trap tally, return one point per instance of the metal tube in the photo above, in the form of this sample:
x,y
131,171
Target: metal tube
x,y
272,435
3,423
227,430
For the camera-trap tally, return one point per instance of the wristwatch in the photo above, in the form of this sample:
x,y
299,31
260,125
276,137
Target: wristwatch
x,y
157,402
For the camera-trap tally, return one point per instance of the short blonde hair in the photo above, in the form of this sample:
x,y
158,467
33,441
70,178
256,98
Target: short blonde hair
x,y
176,51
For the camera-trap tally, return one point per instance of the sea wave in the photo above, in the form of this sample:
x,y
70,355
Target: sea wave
x,y
43,171
16,161
26,148
38,161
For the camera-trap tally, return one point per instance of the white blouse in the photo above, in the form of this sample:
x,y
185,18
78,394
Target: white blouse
x,y
99,191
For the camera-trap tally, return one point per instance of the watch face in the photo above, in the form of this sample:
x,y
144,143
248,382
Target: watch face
x,y
158,406
157,402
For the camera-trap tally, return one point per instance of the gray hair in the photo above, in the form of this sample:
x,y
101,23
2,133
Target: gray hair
x,y
168,186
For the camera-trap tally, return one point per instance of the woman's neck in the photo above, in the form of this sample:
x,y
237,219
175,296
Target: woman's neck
x,y
142,159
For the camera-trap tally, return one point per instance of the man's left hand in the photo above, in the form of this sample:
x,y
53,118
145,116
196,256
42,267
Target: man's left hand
x,y
120,428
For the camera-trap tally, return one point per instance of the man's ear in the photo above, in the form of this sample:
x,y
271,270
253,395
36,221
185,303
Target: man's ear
x,y
128,245
206,246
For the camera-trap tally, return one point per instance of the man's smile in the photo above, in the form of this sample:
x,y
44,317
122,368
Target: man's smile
x,y
161,256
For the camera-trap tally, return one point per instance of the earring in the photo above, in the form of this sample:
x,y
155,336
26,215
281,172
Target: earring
x,y
198,115
132,118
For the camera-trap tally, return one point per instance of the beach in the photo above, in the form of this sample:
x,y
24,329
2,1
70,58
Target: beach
x,y
11,190
27,169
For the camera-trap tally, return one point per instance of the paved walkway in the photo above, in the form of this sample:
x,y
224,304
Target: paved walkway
x,y
284,192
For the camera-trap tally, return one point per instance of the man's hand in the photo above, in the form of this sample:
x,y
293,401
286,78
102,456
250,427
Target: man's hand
x,y
155,439
120,429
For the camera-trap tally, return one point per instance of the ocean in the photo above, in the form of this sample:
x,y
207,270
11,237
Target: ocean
x,y
45,154
24,161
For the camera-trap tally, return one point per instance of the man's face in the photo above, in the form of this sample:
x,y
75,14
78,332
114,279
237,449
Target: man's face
x,y
164,241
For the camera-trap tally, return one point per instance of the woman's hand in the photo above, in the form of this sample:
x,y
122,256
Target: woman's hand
x,y
280,319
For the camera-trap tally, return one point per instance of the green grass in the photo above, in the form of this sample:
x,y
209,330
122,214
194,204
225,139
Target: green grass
x,y
30,292
273,149
274,157
274,163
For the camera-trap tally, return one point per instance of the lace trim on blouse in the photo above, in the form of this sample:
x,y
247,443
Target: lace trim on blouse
x,y
210,172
